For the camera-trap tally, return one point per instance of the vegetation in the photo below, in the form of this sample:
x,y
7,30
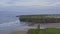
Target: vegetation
x,y
37,19
47,31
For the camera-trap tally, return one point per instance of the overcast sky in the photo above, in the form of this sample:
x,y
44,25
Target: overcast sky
x,y
37,6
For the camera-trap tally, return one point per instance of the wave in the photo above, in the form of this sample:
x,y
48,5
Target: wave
x,y
6,28
9,23
11,26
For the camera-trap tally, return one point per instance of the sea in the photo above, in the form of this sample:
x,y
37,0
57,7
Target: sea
x,y
9,22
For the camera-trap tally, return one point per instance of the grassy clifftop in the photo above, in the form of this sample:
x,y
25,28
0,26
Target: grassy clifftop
x,y
40,18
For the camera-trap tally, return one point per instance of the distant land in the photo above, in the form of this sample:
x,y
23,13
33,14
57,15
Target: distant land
x,y
48,18
52,15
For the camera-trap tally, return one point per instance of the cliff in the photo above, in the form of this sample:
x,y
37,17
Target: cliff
x,y
43,18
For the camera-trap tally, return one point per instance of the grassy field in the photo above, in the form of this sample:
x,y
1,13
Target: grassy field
x,y
47,31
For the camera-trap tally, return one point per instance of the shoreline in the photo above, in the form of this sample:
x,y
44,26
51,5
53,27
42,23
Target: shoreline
x,y
25,28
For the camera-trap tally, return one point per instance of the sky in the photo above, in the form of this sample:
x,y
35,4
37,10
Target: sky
x,y
37,6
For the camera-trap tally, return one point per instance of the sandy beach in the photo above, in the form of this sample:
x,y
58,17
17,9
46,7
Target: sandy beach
x,y
49,25
19,32
18,29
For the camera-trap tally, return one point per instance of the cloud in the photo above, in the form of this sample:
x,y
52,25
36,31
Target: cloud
x,y
29,3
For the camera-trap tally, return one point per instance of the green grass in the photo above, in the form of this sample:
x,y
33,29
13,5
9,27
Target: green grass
x,y
47,31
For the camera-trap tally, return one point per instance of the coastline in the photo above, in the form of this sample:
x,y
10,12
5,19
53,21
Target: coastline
x,y
20,28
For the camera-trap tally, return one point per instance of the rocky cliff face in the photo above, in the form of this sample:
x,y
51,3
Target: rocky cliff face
x,y
47,18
